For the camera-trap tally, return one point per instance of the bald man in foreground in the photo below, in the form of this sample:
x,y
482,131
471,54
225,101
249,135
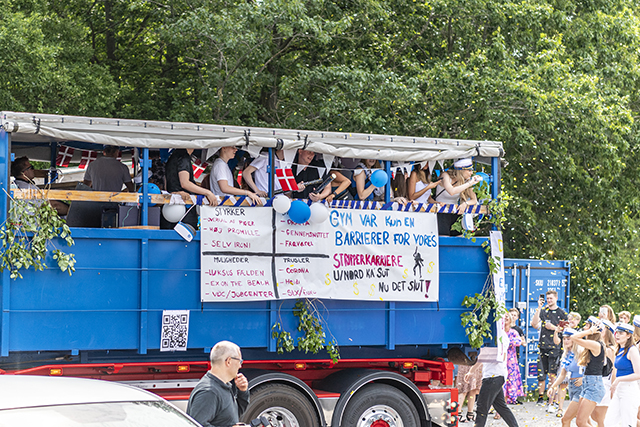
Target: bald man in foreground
x,y
222,395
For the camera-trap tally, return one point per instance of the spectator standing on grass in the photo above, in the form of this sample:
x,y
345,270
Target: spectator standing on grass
x,y
546,319
513,386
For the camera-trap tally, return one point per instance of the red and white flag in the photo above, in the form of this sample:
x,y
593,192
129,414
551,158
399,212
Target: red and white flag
x,y
198,167
65,154
87,157
287,180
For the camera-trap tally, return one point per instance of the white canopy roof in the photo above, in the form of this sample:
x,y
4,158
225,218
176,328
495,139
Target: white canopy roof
x,y
35,128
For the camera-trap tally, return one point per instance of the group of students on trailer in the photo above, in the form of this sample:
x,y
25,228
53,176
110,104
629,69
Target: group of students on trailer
x,y
350,180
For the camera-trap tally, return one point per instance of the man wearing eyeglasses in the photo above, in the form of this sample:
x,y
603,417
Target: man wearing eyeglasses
x,y
24,173
222,395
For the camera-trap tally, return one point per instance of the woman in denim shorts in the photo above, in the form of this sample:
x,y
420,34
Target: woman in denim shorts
x,y
569,370
591,360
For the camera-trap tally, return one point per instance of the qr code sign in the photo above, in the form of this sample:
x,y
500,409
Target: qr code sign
x,y
175,330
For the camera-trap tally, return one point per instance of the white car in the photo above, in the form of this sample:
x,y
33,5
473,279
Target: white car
x,y
27,400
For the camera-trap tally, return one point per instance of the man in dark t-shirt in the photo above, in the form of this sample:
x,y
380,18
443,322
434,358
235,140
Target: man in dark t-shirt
x,y
546,319
306,168
179,178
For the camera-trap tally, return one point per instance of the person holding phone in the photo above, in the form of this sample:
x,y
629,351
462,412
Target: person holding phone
x,y
546,319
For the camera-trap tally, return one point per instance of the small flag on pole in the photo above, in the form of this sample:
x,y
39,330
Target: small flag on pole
x,y
65,154
287,180
198,167
87,157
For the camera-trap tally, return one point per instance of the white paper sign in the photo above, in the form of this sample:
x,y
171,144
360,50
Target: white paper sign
x,y
256,254
497,250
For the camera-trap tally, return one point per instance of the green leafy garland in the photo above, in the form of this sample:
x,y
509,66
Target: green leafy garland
x,y
485,306
27,234
311,323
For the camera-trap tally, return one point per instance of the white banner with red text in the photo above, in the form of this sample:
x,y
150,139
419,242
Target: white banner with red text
x,y
257,254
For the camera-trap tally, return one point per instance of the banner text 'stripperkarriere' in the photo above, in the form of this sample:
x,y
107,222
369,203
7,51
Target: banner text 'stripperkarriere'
x,y
257,254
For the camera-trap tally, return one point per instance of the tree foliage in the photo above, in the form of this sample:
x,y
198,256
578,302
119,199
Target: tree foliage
x,y
555,80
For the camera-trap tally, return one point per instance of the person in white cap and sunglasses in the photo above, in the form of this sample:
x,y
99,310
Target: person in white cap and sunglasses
x,y
625,393
455,188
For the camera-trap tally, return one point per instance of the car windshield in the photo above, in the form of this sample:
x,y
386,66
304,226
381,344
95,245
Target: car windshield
x,y
112,414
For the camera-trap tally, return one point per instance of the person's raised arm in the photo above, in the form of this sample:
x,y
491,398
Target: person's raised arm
x,y
594,347
189,186
535,322
453,190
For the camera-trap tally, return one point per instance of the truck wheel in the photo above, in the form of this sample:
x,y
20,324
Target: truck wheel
x,y
380,405
284,406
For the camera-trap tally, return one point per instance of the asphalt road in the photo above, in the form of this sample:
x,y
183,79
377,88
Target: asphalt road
x,y
528,415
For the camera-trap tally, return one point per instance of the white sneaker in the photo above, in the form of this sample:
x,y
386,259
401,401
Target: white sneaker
x,y
551,409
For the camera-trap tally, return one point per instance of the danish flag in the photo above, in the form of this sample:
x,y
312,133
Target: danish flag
x,y
65,154
287,180
87,157
198,167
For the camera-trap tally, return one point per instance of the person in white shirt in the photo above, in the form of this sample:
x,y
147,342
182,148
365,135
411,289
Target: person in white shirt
x,y
221,178
257,176
494,375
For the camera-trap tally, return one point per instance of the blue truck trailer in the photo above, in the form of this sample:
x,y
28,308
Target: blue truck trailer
x,y
145,305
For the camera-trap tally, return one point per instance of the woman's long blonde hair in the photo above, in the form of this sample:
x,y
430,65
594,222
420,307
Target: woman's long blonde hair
x,y
585,357
457,178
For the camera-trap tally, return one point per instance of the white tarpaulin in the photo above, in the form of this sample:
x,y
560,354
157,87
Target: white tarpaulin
x,y
26,127
257,254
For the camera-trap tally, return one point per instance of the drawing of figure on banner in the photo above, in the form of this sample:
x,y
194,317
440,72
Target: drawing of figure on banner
x,y
419,262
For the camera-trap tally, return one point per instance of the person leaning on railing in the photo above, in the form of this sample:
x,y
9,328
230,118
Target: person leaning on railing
x,y
24,173
221,179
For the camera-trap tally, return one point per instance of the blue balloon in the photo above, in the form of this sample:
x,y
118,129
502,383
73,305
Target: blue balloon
x,y
151,189
379,178
299,212
486,180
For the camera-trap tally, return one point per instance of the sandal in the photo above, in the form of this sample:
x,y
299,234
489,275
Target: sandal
x,y
471,417
559,413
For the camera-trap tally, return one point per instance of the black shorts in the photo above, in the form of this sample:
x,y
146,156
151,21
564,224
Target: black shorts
x,y
548,362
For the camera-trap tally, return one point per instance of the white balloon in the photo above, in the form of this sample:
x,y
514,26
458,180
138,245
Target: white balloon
x,y
173,213
319,213
281,204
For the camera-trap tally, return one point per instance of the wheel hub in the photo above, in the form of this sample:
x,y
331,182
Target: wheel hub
x,y
380,416
280,417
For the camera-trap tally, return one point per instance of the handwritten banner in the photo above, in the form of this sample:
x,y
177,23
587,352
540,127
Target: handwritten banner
x,y
257,254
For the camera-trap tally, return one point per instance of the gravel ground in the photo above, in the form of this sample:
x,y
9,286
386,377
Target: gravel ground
x,y
528,415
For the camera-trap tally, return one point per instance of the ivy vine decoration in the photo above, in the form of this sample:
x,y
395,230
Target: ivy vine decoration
x,y
311,324
27,235
486,309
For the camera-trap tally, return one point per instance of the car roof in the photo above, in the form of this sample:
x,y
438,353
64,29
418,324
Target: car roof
x,y
26,391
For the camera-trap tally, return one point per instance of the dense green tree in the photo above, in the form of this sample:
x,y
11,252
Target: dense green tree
x,y
556,80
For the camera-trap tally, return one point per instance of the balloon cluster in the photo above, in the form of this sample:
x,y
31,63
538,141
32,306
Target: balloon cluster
x,y
299,212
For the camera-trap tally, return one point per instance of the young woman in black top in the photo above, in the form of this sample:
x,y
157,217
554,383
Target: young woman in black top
x,y
592,359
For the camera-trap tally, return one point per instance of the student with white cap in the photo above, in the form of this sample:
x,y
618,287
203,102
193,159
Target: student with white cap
x,y
592,359
570,370
455,188
625,394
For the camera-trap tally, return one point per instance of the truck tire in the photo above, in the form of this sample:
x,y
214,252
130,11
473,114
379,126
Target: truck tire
x,y
283,405
380,405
